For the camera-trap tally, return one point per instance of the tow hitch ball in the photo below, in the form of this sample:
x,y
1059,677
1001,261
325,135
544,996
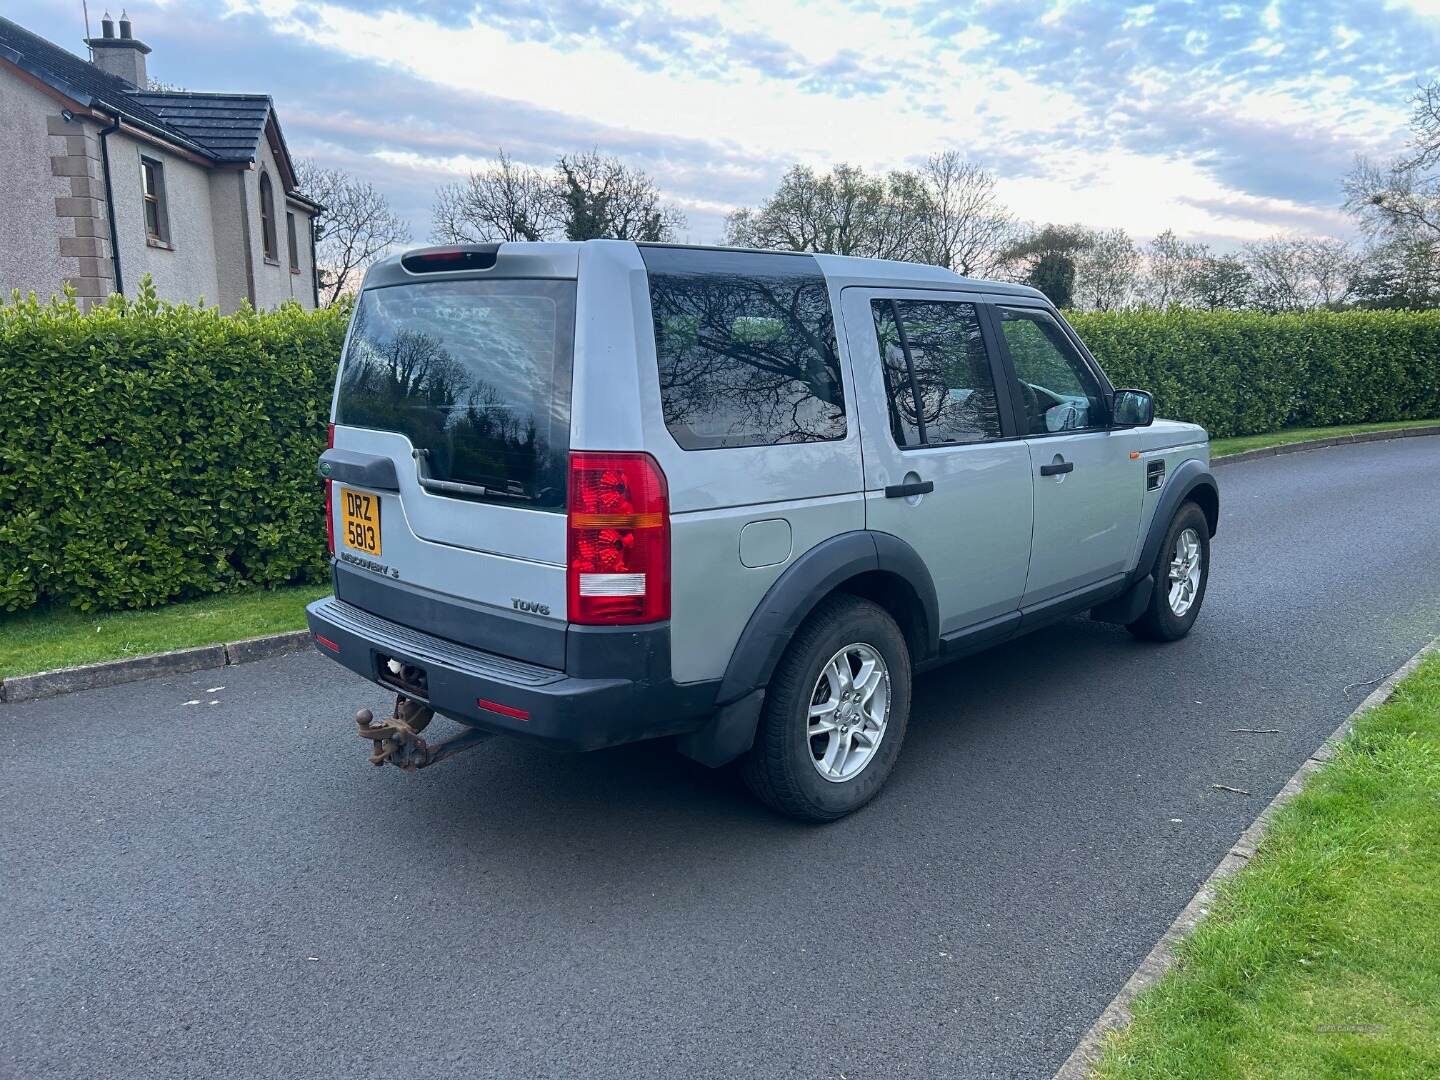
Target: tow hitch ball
x,y
398,741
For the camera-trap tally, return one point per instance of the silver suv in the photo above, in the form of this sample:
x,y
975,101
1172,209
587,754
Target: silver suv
x,y
597,492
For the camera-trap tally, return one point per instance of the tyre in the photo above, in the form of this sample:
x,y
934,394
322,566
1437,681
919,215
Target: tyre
x,y
835,713
1181,572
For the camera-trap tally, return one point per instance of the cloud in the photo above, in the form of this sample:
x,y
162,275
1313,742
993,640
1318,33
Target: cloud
x,y
1233,119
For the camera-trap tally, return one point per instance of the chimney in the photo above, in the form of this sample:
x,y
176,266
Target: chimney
x,y
123,56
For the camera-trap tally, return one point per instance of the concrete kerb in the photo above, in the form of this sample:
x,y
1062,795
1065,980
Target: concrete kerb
x,y
114,672
1116,1016
1334,440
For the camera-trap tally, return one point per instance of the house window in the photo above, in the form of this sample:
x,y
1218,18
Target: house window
x,y
152,186
267,220
290,240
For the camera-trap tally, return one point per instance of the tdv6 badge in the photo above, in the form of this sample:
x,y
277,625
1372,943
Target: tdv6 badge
x,y
532,606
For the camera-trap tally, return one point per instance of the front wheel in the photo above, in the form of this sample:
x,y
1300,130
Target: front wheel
x,y
835,713
1181,572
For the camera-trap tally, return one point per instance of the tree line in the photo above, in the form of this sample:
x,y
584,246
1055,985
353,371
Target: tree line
x,y
946,212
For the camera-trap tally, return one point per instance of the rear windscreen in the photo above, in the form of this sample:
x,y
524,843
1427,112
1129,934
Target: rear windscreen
x,y
476,374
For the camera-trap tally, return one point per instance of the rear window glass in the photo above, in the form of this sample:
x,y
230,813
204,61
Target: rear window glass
x,y
476,374
745,346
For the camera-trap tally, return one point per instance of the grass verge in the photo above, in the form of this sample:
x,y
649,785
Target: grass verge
x,y
1322,957
44,639
1241,443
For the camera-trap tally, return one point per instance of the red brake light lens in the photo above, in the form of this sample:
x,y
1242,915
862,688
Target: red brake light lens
x,y
619,543
329,511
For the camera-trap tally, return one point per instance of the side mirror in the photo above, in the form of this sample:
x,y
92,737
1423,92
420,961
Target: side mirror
x,y
1133,408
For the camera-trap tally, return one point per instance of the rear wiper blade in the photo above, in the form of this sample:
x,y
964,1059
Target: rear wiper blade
x,y
455,487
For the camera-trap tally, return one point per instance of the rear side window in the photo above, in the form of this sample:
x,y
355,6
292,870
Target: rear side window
x,y
476,374
939,386
745,345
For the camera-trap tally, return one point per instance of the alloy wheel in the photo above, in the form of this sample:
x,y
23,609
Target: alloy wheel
x,y
849,709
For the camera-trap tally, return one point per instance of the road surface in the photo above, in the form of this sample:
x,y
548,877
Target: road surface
x,y
227,889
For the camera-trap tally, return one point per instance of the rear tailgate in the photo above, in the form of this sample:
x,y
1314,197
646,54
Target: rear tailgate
x,y
463,384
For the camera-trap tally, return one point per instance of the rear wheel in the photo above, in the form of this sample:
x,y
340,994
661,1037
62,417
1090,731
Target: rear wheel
x,y
835,713
1181,572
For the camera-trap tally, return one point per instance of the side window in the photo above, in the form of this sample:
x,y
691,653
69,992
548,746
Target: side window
x,y
292,243
267,219
152,189
745,346
1057,389
938,384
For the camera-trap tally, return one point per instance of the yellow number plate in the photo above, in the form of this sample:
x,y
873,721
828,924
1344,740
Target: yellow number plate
x,y
360,520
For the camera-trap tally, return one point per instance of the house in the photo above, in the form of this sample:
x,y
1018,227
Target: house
x,y
103,180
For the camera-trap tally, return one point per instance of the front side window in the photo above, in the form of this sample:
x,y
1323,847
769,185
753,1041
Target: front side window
x,y
939,387
1058,391
745,346
267,218
476,374
152,187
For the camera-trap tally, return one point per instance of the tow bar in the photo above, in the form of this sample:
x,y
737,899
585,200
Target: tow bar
x,y
397,739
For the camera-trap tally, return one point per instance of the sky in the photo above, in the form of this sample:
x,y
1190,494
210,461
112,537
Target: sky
x,y
1226,122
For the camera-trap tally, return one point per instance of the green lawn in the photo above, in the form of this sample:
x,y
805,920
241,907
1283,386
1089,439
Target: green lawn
x,y
41,639
1322,957
1220,447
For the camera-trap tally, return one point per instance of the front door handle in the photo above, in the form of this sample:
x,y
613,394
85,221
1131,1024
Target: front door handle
x,y
1056,468
904,491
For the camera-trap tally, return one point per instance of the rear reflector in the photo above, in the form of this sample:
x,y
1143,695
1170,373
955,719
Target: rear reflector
x,y
619,545
503,710
321,639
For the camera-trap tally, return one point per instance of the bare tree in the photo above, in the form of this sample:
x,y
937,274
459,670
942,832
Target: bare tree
x,y
356,227
967,227
602,197
1107,270
504,201
1170,268
845,211
1402,198
1331,267
1295,273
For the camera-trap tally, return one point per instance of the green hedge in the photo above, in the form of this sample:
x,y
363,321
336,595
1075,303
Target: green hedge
x,y
1244,373
153,452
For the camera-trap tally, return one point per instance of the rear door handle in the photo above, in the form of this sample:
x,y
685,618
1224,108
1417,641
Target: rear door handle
x,y
1056,468
902,491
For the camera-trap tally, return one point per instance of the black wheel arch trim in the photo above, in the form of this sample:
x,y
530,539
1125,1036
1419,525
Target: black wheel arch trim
x,y
1186,478
813,576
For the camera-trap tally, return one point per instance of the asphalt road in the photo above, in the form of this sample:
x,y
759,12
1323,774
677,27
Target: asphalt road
x,y
228,889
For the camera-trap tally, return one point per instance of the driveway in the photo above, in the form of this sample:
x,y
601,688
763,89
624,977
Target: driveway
x,y
230,890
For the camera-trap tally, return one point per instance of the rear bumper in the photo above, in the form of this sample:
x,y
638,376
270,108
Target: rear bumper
x,y
538,703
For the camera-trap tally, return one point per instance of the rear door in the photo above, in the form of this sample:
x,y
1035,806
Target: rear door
x,y
940,472
464,383
1087,498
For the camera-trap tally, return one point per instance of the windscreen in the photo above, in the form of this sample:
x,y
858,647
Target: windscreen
x,y
476,374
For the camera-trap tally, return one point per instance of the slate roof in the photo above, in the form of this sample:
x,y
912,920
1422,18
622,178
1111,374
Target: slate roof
x,y
221,127
229,126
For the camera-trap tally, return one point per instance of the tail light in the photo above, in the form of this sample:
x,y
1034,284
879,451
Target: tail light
x,y
619,545
329,514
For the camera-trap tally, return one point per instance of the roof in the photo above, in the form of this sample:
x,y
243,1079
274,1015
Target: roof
x,y
228,126
560,258
223,128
